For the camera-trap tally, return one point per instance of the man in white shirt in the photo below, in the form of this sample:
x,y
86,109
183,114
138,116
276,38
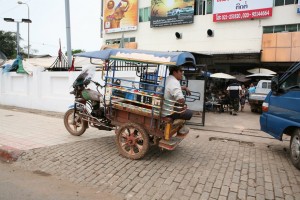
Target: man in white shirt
x,y
173,92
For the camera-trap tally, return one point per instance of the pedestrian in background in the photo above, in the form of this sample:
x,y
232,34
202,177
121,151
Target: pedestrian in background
x,y
234,91
251,88
244,93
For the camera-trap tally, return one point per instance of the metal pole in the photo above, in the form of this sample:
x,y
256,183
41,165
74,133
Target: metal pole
x,y
28,31
68,32
18,39
101,21
20,2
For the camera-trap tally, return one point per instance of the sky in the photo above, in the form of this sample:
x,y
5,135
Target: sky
x,y
49,24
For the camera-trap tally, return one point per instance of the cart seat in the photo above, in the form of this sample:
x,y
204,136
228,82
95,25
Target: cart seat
x,y
135,109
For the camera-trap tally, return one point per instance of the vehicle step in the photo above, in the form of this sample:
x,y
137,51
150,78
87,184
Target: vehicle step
x,y
169,144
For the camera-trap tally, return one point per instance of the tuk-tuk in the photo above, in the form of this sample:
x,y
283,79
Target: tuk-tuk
x,y
134,108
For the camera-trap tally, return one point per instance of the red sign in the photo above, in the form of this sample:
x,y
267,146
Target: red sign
x,y
240,15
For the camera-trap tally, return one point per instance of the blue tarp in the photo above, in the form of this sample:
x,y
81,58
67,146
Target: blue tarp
x,y
16,66
12,67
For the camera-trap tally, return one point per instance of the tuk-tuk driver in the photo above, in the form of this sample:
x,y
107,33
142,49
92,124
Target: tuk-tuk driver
x,y
173,91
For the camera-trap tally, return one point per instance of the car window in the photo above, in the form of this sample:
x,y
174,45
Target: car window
x,y
266,85
292,81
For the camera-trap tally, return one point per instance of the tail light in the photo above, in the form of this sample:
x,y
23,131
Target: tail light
x,y
265,107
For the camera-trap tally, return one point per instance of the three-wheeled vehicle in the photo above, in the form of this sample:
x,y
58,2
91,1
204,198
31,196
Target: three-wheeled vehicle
x,y
133,107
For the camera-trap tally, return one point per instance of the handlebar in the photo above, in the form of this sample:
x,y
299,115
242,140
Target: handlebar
x,y
97,84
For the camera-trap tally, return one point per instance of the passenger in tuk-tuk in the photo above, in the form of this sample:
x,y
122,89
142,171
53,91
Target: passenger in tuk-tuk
x,y
173,91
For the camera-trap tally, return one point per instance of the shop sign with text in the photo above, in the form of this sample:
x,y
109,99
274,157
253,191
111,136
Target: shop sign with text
x,y
229,10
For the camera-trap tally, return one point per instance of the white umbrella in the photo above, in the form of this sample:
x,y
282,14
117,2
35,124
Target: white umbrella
x,y
222,75
260,71
260,74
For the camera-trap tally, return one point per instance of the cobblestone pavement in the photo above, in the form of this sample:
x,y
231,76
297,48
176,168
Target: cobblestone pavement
x,y
206,165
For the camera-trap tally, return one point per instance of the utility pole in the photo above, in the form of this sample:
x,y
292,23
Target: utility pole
x,y
18,31
20,2
68,32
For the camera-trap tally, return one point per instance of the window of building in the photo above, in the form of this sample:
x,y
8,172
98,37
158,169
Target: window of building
x,y
209,7
203,7
203,12
268,29
118,40
144,14
279,2
291,28
284,2
198,7
281,28
287,2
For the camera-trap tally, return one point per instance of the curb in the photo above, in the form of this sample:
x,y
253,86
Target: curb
x,y
9,154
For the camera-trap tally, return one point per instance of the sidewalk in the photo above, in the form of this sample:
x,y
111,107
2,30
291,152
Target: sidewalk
x,y
24,129
21,130
229,158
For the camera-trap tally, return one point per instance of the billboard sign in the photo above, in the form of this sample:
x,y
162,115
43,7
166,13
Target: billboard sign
x,y
229,10
120,15
171,12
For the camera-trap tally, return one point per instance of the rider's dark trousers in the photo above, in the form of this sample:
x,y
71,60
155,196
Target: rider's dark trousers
x,y
235,104
186,115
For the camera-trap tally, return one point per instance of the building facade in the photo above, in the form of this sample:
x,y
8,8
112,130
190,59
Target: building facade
x,y
238,34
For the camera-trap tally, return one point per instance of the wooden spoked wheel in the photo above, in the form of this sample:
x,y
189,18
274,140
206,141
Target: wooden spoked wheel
x,y
132,141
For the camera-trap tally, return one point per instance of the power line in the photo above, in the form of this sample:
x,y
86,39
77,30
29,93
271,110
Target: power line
x,y
9,10
2,0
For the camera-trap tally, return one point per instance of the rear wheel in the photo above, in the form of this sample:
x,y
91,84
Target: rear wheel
x,y
76,126
132,141
295,148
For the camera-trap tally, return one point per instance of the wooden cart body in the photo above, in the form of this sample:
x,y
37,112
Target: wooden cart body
x,y
139,105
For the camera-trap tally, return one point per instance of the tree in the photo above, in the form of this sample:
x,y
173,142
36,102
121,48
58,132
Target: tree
x,y
8,44
74,51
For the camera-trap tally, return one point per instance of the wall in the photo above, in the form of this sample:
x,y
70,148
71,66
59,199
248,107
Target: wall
x,y
229,37
43,90
281,47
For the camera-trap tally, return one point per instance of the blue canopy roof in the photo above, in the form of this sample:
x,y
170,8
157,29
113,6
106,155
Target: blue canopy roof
x,y
159,57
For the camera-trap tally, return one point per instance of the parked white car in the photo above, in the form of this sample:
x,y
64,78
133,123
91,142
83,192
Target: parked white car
x,y
256,99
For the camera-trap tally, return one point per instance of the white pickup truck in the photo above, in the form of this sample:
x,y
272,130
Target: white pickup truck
x,y
256,99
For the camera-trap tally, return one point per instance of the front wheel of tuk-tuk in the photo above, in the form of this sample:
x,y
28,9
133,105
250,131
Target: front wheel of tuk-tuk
x,y
132,141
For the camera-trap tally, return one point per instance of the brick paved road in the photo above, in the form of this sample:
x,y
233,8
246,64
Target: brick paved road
x,y
204,166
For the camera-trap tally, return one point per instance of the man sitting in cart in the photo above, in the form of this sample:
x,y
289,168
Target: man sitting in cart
x,y
173,92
